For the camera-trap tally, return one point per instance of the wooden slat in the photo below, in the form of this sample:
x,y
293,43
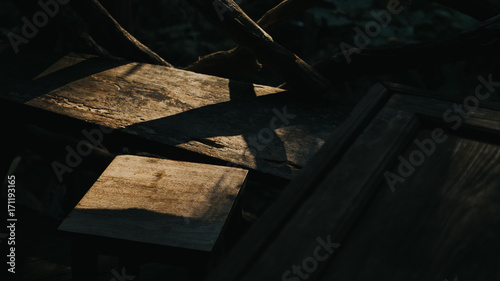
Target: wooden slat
x,y
266,229
338,201
441,223
212,116
158,201
230,18
481,10
405,235
240,60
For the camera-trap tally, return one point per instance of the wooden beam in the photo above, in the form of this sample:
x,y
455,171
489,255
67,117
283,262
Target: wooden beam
x,y
228,16
222,63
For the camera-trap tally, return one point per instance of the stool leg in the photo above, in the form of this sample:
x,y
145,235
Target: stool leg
x,y
84,262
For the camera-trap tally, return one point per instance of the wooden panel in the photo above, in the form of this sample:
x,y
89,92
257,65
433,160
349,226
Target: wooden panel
x,y
158,201
338,201
350,226
255,126
266,229
442,222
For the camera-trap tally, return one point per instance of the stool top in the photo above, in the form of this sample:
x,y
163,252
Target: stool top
x,y
158,201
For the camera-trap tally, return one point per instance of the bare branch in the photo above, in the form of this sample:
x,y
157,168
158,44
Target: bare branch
x,y
108,33
229,17
284,11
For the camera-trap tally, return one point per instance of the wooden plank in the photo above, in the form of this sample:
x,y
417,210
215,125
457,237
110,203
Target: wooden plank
x,y
350,210
266,229
220,118
42,254
441,223
159,202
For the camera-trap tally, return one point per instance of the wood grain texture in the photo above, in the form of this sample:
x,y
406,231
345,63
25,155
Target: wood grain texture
x,y
440,223
158,201
240,60
216,117
339,199
267,228
431,232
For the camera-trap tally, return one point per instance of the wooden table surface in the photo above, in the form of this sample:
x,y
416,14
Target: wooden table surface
x,y
159,201
257,127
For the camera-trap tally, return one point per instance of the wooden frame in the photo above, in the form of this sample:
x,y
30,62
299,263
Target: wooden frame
x,y
336,194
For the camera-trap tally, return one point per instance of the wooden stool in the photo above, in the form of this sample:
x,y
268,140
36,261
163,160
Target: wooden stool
x,y
147,209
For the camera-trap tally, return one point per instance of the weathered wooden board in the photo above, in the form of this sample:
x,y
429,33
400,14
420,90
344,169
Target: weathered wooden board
x,y
160,202
257,127
441,221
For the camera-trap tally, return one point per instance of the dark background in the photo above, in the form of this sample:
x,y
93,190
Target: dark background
x,y
174,30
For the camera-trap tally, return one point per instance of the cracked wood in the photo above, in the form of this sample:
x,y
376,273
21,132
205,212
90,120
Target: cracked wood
x,y
220,118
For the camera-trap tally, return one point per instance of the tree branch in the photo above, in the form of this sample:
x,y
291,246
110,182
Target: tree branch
x,y
236,60
257,43
478,9
108,33
283,11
